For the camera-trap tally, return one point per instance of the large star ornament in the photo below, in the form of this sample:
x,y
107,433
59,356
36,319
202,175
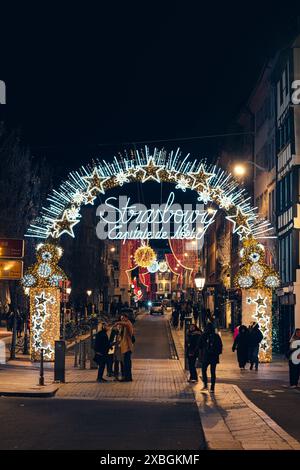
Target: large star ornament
x,y
150,171
240,223
64,225
95,182
201,177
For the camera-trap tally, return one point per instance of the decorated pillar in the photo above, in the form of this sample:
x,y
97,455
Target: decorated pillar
x,y
257,280
43,280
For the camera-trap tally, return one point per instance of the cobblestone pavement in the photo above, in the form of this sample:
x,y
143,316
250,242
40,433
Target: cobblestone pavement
x,y
229,419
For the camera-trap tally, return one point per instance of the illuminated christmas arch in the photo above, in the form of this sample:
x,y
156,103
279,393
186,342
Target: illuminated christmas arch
x,y
211,184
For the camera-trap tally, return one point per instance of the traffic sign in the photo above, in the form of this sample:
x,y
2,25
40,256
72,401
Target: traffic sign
x,y
11,248
11,269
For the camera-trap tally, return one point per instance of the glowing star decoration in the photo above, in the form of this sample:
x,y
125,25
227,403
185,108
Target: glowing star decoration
x,y
153,268
183,183
205,196
240,223
95,182
260,302
45,322
42,280
201,178
163,266
150,171
73,213
64,225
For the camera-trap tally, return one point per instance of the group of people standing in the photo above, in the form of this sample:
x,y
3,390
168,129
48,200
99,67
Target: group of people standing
x,y
113,348
246,344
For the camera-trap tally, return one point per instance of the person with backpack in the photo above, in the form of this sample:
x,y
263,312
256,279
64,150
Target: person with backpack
x,y
211,347
255,338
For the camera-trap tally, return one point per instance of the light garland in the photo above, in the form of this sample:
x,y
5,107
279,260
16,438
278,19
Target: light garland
x,y
262,316
43,279
212,185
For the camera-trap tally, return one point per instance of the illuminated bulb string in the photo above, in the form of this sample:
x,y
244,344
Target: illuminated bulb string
x,y
62,211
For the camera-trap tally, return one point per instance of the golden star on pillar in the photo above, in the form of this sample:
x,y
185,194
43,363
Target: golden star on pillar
x,y
95,182
64,225
201,177
261,302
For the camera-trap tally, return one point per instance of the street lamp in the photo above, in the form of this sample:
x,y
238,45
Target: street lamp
x,y
89,292
68,290
199,280
240,168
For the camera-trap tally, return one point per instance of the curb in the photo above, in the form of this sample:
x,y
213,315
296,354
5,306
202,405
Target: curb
x,y
30,394
291,441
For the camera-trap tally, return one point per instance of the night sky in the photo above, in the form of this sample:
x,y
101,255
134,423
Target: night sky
x,y
85,81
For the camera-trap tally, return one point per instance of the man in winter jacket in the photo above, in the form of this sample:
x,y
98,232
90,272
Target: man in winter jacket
x,y
193,347
101,351
211,345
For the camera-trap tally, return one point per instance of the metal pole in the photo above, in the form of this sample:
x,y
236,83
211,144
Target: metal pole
x,y
76,353
14,337
25,348
42,380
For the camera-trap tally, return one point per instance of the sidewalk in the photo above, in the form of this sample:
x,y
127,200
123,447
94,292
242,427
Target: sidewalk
x,y
229,419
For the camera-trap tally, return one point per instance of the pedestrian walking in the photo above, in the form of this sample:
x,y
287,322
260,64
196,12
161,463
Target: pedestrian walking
x,y
182,315
126,345
211,347
294,359
196,313
255,338
193,348
101,352
241,346
175,317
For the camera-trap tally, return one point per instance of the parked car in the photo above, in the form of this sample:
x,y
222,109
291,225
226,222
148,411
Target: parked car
x,y
157,308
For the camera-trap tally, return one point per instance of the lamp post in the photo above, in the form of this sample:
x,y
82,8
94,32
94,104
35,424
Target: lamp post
x,y
199,283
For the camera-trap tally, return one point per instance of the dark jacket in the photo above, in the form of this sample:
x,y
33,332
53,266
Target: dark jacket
x,y
101,343
241,342
211,346
255,337
193,343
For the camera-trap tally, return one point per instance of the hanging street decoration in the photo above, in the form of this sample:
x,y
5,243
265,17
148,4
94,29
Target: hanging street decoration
x,y
163,266
144,256
212,185
153,268
43,280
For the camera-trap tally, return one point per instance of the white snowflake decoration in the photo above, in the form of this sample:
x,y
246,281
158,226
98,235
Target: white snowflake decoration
x,y
122,178
272,282
256,271
204,196
245,281
183,183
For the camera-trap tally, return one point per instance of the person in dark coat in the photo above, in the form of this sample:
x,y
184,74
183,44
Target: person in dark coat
x,y
241,345
196,313
175,316
255,337
193,347
211,347
294,359
101,352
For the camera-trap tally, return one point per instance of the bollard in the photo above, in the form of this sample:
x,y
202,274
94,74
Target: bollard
x,y
76,347
82,355
60,361
93,364
14,339
42,380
